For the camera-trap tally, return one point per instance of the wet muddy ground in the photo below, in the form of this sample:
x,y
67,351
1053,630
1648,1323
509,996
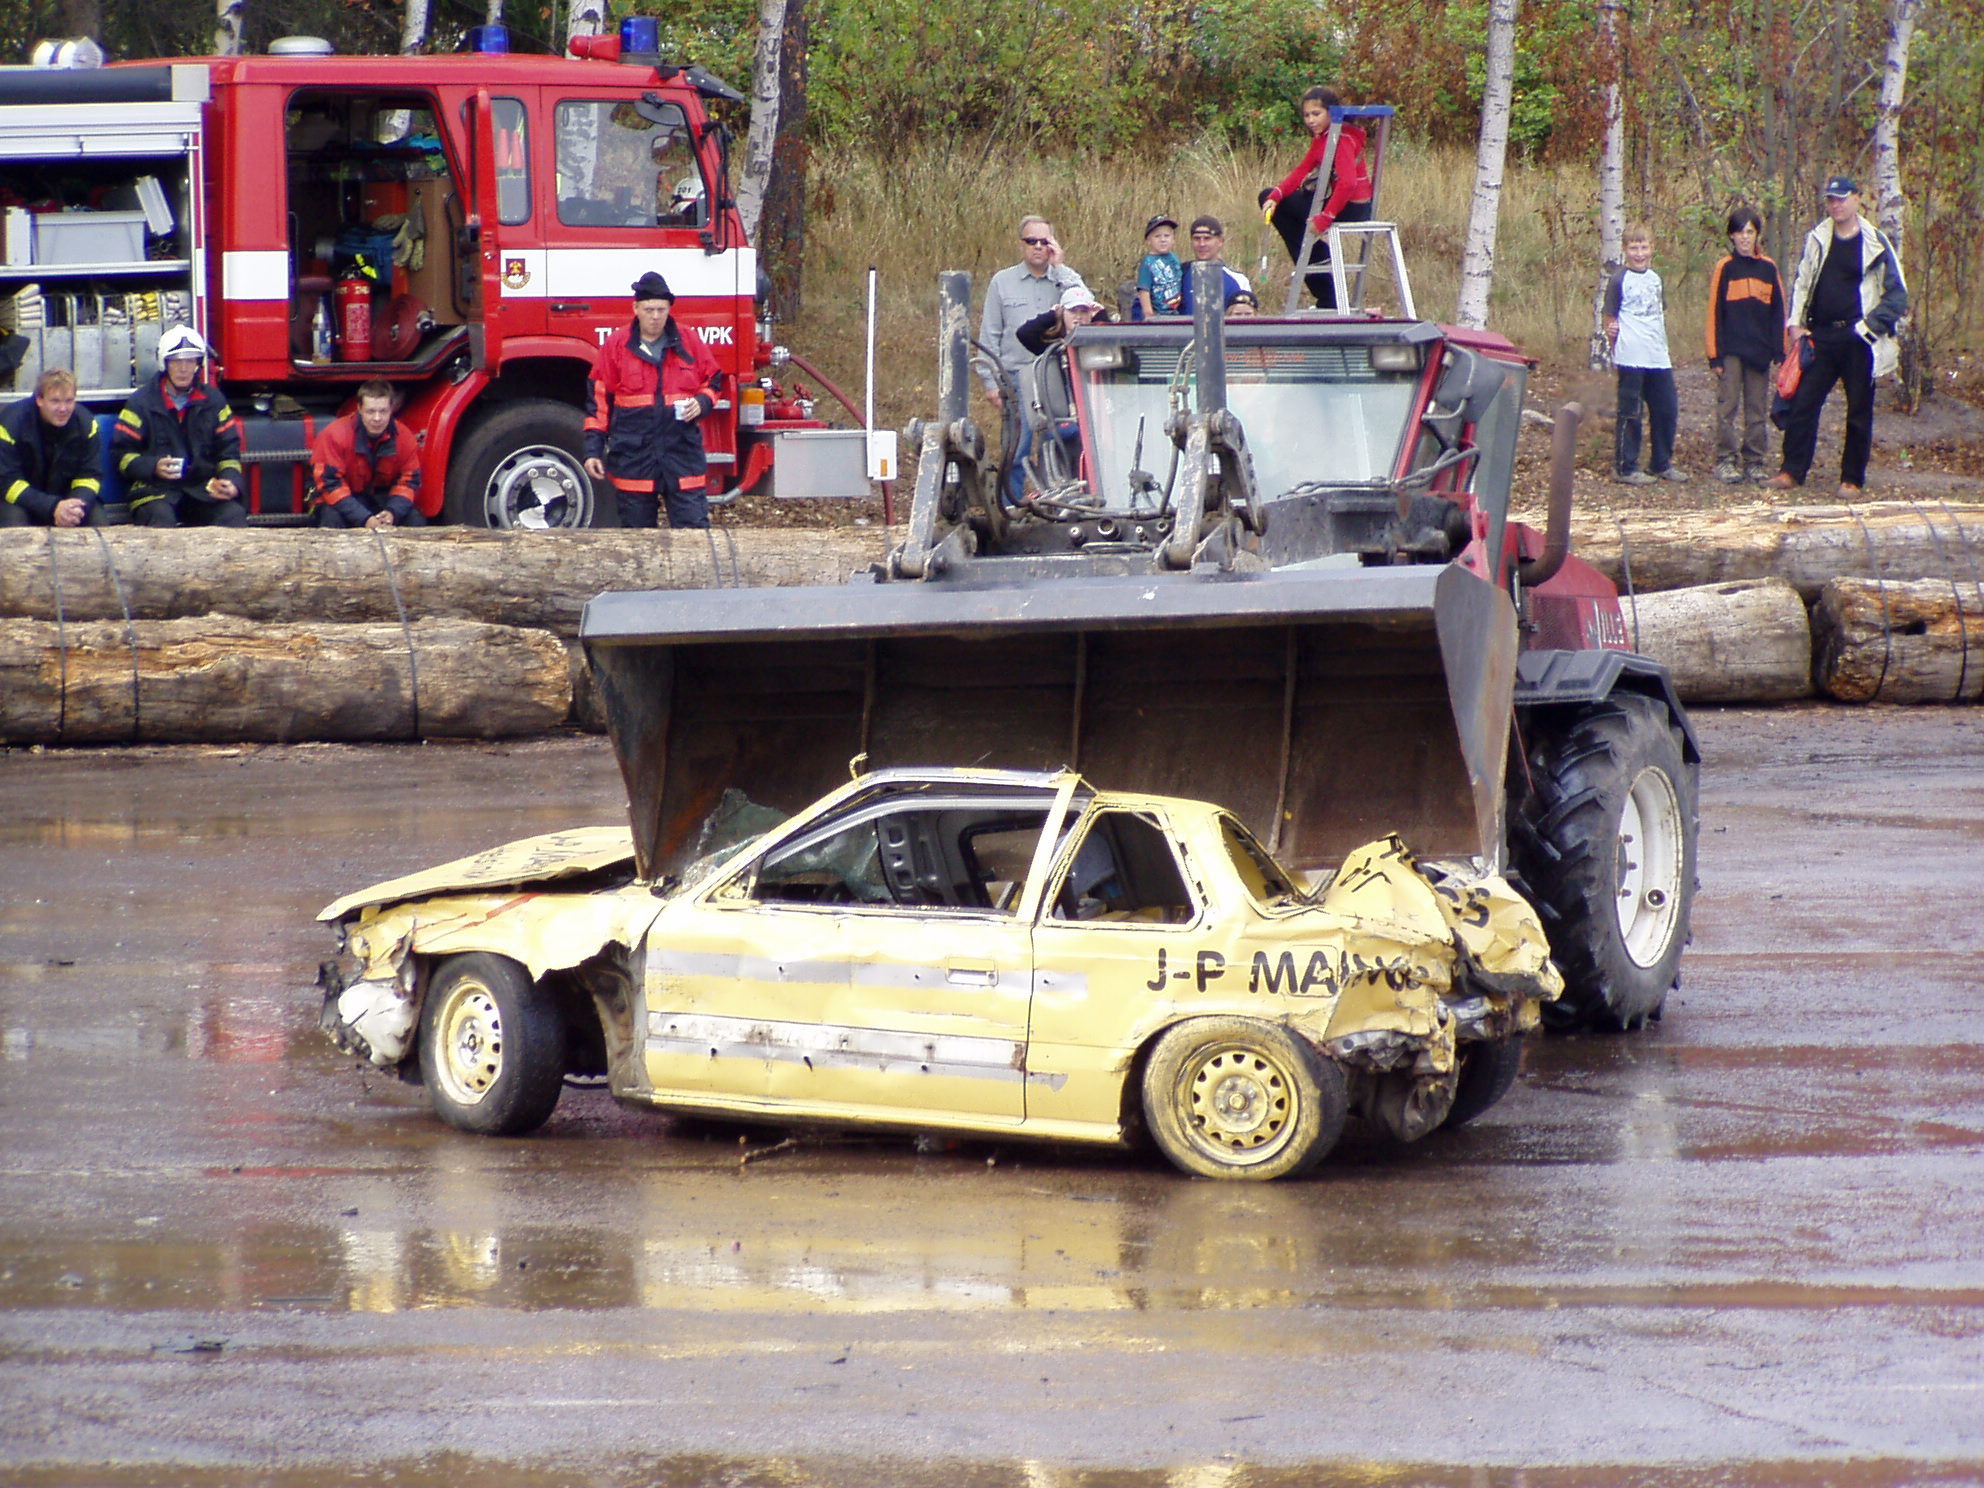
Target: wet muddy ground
x,y
1745,1247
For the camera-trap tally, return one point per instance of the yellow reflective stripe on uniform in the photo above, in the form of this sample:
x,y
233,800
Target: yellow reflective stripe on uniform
x,y
124,464
14,491
5,436
87,483
227,465
129,416
138,501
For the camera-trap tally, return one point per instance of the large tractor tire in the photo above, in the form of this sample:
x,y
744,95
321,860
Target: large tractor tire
x,y
1233,1097
492,1051
523,466
1605,846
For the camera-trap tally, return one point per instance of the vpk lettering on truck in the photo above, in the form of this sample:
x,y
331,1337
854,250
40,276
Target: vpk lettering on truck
x,y
490,211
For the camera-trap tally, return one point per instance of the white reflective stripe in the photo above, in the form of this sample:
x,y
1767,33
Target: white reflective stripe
x,y
830,1045
584,273
255,274
531,260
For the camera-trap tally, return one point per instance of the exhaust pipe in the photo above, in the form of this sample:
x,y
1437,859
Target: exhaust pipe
x,y
1557,531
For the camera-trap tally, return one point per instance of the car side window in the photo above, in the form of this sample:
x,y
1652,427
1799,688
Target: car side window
x,y
945,855
626,165
1125,870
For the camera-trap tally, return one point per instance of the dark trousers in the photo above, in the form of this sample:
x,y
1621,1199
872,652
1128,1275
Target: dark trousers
x,y
641,503
356,509
183,509
1653,386
13,516
1742,401
1837,356
1291,220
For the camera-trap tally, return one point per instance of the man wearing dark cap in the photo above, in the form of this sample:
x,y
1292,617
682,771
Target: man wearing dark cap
x,y
654,379
1208,242
1848,299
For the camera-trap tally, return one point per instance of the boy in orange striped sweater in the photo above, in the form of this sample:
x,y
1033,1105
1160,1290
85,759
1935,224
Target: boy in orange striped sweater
x,y
1745,338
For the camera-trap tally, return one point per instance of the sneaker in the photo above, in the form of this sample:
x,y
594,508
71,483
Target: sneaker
x,y
1784,481
1634,478
1728,474
1756,475
1674,473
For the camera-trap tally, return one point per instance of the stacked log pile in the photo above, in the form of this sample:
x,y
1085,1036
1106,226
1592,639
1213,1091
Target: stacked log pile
x,y
124,634
1891,588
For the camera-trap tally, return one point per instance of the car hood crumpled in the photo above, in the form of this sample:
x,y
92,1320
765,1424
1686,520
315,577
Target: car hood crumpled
x,y
530,860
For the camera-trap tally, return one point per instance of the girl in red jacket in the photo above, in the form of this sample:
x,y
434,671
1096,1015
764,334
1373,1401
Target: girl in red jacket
x,y
1317,193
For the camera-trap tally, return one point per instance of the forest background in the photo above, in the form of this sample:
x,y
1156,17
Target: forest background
x,y
931,125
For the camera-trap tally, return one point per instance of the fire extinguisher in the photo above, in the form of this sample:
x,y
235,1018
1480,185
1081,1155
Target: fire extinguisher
x,y
354,300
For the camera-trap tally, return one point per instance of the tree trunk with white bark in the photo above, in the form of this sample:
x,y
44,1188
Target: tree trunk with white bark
x,y
1890,204
1477,272
227,27
413,31
1611,177
585,18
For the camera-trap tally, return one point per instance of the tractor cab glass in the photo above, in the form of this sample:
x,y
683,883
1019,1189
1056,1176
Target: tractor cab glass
x,y
1358,417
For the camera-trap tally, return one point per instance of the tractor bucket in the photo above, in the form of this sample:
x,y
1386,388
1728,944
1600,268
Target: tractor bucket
x,y
1324,707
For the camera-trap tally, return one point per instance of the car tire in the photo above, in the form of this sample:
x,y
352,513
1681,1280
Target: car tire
x,y
522,466
1488,1069
492,1052
1605,848
1229,1097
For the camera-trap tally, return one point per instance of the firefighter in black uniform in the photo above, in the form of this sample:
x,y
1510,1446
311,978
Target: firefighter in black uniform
x,y
50,459
178,444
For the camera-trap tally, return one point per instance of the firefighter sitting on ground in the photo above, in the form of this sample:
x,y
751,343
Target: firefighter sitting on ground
x,y
49,458
654,379
178,444
365,467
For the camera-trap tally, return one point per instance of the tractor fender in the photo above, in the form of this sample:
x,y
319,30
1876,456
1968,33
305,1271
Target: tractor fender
x,y
1548,678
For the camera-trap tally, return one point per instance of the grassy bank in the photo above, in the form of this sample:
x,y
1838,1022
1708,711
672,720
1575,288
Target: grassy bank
x,y
927,208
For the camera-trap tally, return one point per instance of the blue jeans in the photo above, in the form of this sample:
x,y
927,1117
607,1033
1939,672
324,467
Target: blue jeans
x,y
1655,387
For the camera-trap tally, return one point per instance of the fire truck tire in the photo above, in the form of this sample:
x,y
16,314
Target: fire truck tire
x,y
492,1051
1606,849
1488,1069
1230,1097
522,466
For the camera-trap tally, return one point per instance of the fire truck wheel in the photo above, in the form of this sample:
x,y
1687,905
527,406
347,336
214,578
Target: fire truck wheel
x,y
1233,1097
492,1051
1606,849
523,467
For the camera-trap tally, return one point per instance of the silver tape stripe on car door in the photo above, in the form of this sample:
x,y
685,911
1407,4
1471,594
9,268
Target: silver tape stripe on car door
x,y
824,1044
854,973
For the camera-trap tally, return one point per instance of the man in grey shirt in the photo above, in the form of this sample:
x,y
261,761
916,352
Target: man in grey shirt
x,y
1014,296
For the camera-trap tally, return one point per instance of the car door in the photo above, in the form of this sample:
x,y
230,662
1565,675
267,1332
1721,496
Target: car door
x,y
1121,932
874,965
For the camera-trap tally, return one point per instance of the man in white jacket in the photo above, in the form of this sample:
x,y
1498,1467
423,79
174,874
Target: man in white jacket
x,y
1848,299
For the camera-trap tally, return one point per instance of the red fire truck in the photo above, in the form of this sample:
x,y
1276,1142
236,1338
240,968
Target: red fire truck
x,y
466,227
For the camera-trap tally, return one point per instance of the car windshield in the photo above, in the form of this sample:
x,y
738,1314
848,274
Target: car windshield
x,y
1318,414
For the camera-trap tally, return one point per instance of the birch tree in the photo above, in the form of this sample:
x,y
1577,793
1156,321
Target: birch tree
x,y
1477,267
413,30
585,18
758,141
1611,176
1890,205
494,14
227,27
771,197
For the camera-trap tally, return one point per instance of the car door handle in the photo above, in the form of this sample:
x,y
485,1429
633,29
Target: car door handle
x,y
571,307
960,975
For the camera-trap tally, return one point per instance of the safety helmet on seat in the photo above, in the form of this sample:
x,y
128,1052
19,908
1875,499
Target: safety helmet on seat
x,y
180,343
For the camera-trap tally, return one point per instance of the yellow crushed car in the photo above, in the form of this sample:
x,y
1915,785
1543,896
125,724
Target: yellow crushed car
x,y
983,951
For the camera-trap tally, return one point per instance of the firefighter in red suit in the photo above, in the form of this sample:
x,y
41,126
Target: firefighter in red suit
x,y
366,466
653,380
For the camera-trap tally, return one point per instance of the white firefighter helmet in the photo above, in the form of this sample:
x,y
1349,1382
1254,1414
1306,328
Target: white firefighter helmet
x,y
181,342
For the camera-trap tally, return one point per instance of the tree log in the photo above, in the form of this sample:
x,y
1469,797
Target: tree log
x,y
1743,642
501,578
221,678
1805,546
1920,642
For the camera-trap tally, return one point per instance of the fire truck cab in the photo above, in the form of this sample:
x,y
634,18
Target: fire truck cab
x,y
466,227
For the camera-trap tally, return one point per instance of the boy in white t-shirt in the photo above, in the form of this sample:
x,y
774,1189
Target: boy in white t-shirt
x,y
1636,326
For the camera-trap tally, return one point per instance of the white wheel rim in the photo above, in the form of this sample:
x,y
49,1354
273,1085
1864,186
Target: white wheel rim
x,y
469,1051
1650,839
538,488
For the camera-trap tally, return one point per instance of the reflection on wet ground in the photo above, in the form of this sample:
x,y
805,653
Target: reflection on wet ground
x,y
1737,1249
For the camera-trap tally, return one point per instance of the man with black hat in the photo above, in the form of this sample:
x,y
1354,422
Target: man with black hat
x,y
1848,298
654,379
1208,244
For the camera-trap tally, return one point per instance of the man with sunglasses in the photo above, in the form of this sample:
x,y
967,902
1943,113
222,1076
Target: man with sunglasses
x,y
1016,295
